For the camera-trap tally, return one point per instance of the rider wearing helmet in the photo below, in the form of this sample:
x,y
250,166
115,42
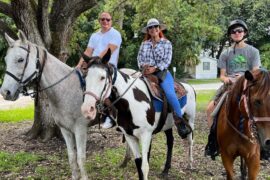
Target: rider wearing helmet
x,y
233,62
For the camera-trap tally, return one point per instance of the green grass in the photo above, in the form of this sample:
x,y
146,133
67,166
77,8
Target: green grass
x,y
203,98
17,115
16,162
33,166
203,81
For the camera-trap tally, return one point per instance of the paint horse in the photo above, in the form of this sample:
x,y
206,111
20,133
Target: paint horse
x,y
136,115
27,62
243,123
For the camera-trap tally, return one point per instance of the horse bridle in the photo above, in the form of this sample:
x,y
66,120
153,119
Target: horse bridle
x,y
252,119
104,93
36,74
100,101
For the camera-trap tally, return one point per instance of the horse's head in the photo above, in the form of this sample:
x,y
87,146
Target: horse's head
x,y
20,68
98,85
257,106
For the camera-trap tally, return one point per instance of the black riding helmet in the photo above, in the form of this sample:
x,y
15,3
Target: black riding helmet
x,y
236,23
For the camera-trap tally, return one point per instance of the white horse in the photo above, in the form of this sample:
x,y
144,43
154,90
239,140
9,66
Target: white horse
x,y
136,116
26,62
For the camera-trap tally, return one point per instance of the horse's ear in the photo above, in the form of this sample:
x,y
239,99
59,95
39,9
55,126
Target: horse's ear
x,y
249,76
9,40
105,59
22,36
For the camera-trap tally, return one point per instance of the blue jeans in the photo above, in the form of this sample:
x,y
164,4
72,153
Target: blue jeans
x,y
168,86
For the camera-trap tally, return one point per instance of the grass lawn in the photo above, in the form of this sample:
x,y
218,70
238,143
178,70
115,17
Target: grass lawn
x,y
203,81
203,98
17,115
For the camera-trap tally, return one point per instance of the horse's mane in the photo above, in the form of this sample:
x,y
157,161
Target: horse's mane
x,y
96,62
261,81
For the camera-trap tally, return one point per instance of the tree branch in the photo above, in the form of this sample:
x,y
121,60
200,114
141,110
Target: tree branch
x,y
62,18
80,6
63,10
5,8
24,15
4,28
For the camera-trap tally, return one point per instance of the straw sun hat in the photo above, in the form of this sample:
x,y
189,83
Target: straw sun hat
x,y
153,22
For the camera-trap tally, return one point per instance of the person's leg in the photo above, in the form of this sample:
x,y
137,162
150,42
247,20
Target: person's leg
x,y
109,123
209,110
168,86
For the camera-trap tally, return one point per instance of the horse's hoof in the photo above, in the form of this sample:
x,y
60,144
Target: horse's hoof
x,y
123,165
163,175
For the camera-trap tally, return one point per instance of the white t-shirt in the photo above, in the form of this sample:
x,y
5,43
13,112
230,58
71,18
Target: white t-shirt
x,y
99,42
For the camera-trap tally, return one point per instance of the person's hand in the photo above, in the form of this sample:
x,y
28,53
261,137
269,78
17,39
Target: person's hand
x,y
151,69
148,69
227,80
78,66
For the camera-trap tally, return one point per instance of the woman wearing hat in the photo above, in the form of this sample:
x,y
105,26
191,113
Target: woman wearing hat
x,y
233,62
154,57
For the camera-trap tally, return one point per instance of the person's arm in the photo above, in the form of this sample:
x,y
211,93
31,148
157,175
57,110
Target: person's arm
x,y
223,77
140,57
88,52
113,47
167,57
114,43
256,60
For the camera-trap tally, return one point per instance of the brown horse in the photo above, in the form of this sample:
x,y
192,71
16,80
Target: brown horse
x,y
243,124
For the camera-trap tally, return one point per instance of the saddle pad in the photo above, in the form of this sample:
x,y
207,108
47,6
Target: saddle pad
x,y
219,104
155,89
158,105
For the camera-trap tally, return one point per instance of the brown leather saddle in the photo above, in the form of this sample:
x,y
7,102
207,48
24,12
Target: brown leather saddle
x,y
156,91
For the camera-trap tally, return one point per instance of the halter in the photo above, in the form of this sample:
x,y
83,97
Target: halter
x,y
252,119
36,74
245,98
104,93
100,101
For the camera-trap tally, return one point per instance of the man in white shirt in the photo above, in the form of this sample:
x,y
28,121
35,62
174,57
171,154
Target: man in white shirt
x,y
100,41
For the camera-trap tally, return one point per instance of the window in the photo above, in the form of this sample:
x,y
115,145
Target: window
x,y
206,66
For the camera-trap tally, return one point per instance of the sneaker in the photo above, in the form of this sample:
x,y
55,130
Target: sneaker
x,y
107,124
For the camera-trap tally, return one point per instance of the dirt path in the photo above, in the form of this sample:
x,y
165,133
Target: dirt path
x,y
21,102
12,140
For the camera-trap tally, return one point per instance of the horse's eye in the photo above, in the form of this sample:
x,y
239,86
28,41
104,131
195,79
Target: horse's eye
x,y
20,60
102,78
257,103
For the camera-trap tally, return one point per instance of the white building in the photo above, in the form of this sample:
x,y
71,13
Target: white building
x,y
207,68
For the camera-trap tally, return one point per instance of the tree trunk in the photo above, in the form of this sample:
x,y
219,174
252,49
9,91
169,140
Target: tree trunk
x,y
48,24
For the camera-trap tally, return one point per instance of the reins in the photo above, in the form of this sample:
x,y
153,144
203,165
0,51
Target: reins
x,y
245,96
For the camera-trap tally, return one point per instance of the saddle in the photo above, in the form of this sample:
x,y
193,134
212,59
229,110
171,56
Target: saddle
x,y
152,83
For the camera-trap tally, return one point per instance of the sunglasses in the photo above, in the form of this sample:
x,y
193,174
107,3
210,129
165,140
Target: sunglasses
x,y
234,31
151,27
105,19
